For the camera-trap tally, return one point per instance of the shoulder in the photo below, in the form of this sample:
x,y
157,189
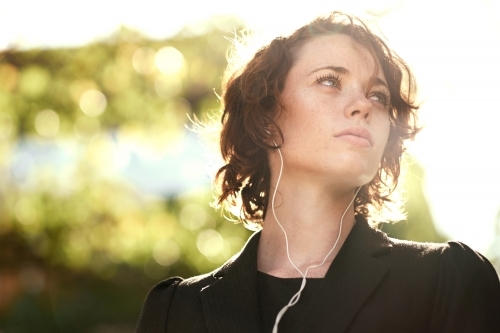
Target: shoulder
x,y
457,255
161,291
467,291
465,286
190,288
461,265
170,300
154,311
179,285
411,256
452,263
165,285
196,283
451,256
459,274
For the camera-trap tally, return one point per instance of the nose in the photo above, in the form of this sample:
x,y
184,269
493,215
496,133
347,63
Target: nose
x,y
359,106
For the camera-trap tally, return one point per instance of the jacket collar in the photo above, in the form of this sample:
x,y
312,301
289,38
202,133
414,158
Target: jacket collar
x,y
351,278
231,304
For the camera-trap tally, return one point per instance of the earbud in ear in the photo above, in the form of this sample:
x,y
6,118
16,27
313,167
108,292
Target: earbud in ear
x,y
269,134
265,125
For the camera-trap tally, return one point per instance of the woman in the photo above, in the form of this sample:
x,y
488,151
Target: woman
x,y
313,134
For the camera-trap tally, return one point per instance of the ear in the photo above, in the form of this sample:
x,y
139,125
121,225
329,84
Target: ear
x,y
266,127
268,139
273,133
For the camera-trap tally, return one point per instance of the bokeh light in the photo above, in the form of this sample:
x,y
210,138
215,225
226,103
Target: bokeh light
x,y
194,217
47,123
93,102
210,243
166,252
169,60
143,60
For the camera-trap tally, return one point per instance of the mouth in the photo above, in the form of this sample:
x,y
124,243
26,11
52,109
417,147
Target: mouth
x,y
356,135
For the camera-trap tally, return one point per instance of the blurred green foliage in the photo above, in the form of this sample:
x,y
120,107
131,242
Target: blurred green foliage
x,y
80,246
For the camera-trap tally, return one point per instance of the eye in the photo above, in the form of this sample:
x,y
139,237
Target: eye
x,y
382,97
329,80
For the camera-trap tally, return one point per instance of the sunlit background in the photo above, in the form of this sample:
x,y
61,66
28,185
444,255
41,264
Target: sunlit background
x,y
103,190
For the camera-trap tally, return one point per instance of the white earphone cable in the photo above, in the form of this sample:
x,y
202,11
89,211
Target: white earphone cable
x,y
296,297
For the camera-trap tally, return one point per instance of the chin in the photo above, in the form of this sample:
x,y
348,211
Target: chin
x,y
356,176
360,171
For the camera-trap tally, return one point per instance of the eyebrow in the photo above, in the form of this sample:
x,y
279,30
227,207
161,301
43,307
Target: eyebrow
x,y
345,71
340,70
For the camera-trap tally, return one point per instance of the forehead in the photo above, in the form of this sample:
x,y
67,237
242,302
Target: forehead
x,y
338,50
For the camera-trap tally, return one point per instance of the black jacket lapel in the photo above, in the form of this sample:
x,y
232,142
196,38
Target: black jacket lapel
x,y
231,304
351,279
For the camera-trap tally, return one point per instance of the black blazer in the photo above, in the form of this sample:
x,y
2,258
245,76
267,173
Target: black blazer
x,y
375,284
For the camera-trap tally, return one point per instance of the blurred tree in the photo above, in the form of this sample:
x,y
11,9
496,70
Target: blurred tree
x,y
80,246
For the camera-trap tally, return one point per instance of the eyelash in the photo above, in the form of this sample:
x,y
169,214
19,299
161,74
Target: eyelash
x,y
331,77
385,98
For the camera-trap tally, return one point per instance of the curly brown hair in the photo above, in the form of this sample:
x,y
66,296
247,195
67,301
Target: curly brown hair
x,y
251,98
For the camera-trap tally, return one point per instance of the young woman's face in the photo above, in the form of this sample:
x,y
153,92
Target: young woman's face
x,y
335,117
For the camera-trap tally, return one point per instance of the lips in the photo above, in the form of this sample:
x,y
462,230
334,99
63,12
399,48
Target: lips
x,y
357,135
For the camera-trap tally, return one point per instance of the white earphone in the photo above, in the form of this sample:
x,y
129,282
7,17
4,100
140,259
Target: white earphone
x,y
295,298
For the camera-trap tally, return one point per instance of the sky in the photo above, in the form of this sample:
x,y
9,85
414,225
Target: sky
x,y
450,45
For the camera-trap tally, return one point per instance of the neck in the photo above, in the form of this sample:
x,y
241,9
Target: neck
x,y
311,216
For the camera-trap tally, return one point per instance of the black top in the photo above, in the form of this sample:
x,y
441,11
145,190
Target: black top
x,y
275,293
375,284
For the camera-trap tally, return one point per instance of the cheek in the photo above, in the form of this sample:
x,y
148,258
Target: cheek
x,y
383,135
299,117
387,135
383,127
391,142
